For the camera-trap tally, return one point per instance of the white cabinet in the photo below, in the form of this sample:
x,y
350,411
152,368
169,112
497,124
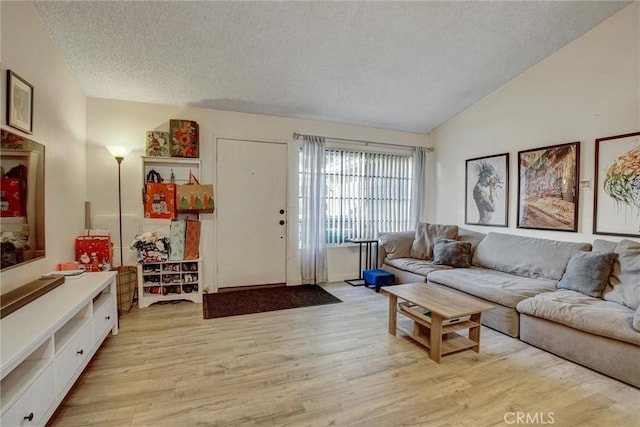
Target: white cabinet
x,y
103,316
171,280
46,345
31,407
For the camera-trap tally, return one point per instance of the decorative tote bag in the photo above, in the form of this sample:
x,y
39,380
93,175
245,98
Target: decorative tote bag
x,y
176,240
192,240
195,197
159,198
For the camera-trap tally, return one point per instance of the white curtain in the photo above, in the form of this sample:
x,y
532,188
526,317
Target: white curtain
x,y
419,184
313,209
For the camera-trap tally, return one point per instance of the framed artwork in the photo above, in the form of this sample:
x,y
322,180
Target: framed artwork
x,y
616,202
157,144
184,138
19,103
487,191
548,187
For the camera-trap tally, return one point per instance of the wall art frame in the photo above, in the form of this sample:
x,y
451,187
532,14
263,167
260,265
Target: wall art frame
x,y
19,103
487,191
548,196
616,199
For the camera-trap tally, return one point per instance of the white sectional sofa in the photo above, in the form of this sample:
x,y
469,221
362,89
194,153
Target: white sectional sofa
x,y
538,298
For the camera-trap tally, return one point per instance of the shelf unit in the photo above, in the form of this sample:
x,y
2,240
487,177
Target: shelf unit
x,y
167,281
170,280
181,166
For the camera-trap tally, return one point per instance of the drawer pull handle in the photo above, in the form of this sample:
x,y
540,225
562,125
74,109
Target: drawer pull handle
x,y
80,352
29,417
107,318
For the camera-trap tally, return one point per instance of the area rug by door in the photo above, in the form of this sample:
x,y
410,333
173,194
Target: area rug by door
x,y
223,304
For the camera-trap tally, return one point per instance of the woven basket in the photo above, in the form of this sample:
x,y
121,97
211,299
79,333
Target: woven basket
x,y
126,283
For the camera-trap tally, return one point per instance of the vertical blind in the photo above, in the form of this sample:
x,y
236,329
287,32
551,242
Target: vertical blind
x,y
366,193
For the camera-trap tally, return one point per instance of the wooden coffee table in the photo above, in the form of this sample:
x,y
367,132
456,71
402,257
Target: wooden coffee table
x,y
448,312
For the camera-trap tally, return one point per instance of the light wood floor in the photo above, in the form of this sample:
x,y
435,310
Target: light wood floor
x,y
326,365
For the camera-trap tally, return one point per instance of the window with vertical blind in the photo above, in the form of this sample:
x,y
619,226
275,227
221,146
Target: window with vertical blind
x,y
366,193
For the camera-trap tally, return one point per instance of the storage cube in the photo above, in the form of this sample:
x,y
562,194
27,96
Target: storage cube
x,y
377,278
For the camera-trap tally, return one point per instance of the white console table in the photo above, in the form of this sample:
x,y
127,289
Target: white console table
x,y
45,346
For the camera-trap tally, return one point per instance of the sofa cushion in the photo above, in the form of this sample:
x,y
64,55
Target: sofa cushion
x,y
588,272
470,236
600,245
494,286
422,247
525,256
452,252
625,279
397,244
588,314
417,266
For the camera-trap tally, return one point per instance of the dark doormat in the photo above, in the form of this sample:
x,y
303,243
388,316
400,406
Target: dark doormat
x,y
223,304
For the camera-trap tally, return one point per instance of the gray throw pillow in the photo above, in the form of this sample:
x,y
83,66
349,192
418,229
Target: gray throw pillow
x,y
397,244
452,252
422,247
588,272
625,277
636,320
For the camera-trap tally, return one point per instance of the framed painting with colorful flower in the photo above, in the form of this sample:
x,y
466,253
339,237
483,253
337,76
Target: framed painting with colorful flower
x,y
157,144
184,138
616,202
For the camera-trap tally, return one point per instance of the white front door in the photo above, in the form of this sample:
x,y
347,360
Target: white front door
x,y
251,205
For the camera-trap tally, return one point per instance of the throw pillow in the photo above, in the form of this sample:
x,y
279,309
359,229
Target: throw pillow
x,y
588,272
426,233
452,252
397,245
636,320
625,278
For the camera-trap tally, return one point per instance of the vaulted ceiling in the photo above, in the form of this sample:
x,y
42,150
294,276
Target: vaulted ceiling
x,y
397,65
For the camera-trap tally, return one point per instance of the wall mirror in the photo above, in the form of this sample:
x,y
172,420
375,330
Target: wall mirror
x,y
21,200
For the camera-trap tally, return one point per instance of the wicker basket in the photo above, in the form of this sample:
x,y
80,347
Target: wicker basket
x,y
127,283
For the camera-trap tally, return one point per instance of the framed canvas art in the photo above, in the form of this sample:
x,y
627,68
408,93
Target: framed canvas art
x,y
548,187
616,201
184,138
487,191
19,103
157,144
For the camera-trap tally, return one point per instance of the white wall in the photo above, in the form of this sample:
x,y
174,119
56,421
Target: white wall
x,y
59,123
589,89
126,123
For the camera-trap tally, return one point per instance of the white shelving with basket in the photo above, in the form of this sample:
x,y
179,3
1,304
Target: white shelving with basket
x,y
173,279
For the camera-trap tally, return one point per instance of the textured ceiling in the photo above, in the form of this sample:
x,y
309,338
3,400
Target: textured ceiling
x,y
396,65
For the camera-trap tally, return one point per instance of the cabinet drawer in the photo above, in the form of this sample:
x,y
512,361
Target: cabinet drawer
x,y
34,403
104,317
69,360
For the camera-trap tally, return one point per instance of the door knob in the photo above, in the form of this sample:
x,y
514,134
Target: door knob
x,y
281,211
281,222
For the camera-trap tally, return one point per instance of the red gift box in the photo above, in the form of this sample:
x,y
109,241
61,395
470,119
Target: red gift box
x,y
11,197
92,252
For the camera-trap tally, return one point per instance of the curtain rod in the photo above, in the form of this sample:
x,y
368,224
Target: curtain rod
x,y
297,135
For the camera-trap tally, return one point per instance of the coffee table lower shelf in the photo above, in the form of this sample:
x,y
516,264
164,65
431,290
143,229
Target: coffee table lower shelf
x,y
451,341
